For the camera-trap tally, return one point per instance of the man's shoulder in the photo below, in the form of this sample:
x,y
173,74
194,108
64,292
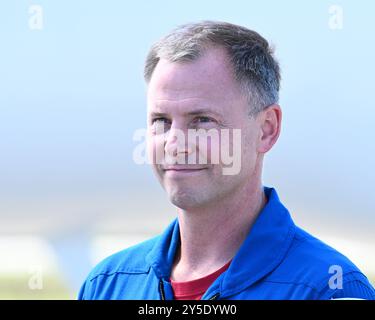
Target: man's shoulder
x,y
312,263
309,249
130,260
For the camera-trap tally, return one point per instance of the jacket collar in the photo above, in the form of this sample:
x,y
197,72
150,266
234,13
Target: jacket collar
x,y
263,250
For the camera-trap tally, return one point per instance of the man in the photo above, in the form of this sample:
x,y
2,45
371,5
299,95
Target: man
x,y
233,238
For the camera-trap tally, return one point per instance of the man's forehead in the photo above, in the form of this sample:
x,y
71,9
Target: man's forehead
x,y
181,83
185,98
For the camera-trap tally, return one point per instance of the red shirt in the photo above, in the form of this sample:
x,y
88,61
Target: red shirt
x,y
194,289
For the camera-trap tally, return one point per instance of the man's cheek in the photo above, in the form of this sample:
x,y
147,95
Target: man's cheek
x,y
213,150
231,151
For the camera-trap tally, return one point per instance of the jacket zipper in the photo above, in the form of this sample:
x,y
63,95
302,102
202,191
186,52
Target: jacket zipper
x,y
161,290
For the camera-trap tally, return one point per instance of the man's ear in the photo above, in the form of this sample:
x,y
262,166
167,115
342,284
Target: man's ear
x,y
270,126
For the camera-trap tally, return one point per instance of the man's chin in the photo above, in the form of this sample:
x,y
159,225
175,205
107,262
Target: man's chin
x,y
186,200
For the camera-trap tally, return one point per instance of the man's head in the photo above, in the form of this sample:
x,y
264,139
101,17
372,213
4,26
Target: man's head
x,y
211,76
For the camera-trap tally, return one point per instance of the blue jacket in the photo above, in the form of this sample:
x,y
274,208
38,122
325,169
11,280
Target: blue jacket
x,y
277,260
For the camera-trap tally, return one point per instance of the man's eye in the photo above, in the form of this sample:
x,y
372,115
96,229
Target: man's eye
x,y
160,125
203,119
159,120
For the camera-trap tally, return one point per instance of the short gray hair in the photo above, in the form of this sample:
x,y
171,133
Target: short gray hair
x,y
255,67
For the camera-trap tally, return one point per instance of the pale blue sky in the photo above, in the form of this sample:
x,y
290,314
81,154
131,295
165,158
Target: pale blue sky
x,y
72,94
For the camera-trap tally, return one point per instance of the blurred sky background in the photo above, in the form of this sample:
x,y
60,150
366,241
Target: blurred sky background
x,y
72,95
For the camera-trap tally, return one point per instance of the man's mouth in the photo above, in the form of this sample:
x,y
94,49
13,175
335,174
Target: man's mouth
x,y
182,170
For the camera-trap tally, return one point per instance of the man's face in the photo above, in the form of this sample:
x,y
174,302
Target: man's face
x,y
200,95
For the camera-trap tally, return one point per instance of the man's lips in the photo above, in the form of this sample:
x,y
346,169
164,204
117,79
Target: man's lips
x,y
182,170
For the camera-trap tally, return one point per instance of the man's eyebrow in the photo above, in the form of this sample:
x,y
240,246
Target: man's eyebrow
x,y
154,114
203,111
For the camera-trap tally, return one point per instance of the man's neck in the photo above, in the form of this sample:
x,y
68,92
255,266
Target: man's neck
x,y
211,236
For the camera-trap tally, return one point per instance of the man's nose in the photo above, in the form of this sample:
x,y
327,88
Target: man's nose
x,y
176,142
